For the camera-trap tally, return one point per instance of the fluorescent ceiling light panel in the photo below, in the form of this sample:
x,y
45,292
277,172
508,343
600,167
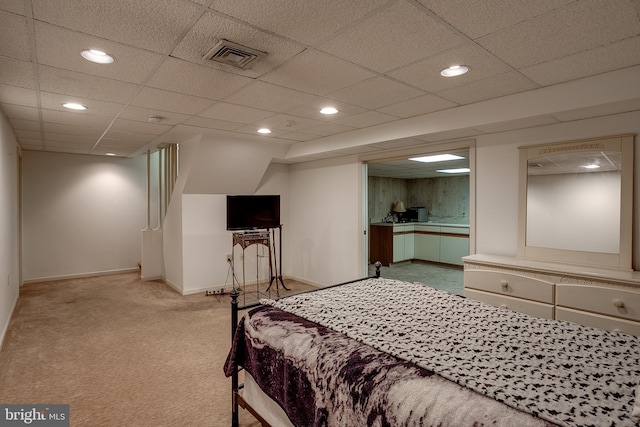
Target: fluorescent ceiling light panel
x,y
458,170
436,158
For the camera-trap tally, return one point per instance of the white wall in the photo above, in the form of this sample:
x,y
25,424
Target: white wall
x,y
497,176
9,225
81,214
324,232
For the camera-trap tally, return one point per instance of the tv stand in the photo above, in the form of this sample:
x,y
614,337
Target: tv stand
x,y
246,239
274,273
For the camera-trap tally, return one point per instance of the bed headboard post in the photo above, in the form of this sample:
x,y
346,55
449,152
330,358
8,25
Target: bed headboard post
x,y
235,293
378,264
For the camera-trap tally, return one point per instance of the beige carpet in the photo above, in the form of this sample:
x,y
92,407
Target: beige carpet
x,y
121,352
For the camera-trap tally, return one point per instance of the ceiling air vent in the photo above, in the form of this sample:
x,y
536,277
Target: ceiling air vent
x,y
234,54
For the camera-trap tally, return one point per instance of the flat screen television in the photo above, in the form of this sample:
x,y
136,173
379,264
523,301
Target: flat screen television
x,y
246,212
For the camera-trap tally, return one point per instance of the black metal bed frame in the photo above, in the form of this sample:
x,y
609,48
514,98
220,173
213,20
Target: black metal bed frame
x,y
236,397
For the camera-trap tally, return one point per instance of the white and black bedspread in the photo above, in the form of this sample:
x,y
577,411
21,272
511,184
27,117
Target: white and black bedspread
x,y
323,378
558,371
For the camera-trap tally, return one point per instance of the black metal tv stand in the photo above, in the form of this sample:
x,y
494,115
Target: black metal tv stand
x,y
274,273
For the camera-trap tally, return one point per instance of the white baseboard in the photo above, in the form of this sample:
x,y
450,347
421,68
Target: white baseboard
x,y
5,328
81,275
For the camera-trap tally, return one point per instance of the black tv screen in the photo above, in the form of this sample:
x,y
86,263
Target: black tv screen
x,y
245,212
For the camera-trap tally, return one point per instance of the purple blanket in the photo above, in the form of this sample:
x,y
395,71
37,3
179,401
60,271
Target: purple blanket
x,y
323,378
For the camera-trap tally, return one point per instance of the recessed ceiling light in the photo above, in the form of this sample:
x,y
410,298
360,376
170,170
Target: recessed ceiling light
x,y
264,130
97,56
593,166
109,154
454,70
459,170
74,106
328,110
436,158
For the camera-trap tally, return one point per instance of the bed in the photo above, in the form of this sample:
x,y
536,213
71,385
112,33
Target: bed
x,y
380,352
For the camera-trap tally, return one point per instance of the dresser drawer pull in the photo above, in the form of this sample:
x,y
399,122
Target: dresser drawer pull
x,y
618,303
505,285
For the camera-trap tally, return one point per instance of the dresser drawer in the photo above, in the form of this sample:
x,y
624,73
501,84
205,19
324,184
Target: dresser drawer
x,y
509,284
598,321
599,299
523,306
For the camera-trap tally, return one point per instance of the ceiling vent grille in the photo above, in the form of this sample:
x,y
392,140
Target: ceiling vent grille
x,y
234,54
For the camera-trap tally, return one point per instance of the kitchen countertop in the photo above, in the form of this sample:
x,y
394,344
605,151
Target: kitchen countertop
x,y
440,224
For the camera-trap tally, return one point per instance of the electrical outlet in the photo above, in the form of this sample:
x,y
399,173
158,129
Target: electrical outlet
x,y
229,256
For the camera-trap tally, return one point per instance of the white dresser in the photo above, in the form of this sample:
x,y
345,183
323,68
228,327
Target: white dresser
x,y
603,298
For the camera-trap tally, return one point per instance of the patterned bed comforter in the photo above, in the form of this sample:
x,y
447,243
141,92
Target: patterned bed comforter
x,y
425,357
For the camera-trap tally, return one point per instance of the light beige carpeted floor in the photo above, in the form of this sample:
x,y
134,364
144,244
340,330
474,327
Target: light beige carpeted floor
x,y
121,352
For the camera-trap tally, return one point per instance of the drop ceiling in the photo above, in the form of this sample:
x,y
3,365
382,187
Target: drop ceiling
x,y
377,61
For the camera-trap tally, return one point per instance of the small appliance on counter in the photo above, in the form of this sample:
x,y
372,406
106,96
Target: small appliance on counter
x,y
417,214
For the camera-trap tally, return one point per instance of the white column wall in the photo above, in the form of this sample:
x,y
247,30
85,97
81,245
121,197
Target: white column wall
x,y
9,225
324,232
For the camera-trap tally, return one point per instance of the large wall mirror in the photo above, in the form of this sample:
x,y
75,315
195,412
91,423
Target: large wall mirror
x,y
576,202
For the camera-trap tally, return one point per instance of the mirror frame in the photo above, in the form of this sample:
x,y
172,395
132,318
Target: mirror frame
x,y
622,259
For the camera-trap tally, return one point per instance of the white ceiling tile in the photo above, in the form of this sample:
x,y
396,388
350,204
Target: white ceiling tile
x,y
17,73
170,101
33,125
425,74
61,48
376,92
76,84
503,84
312,109
205,82
307,21
73,129
30,144
13,6
286,122
600,60
477,19
298,136
21,112
582,25
209,123
600,110
237,113
27,133
149,24
366,119
269,97
76,118
125,138
318,73
327,129
18,96
213,27
529,122
391,38
72,138
54,101
13,29
418,106
124,125
142,115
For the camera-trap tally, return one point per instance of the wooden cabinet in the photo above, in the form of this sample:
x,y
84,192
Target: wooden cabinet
x,y
602,298
389,243
381,244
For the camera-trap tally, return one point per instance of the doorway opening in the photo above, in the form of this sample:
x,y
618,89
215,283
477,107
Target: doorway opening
x,y
419,216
